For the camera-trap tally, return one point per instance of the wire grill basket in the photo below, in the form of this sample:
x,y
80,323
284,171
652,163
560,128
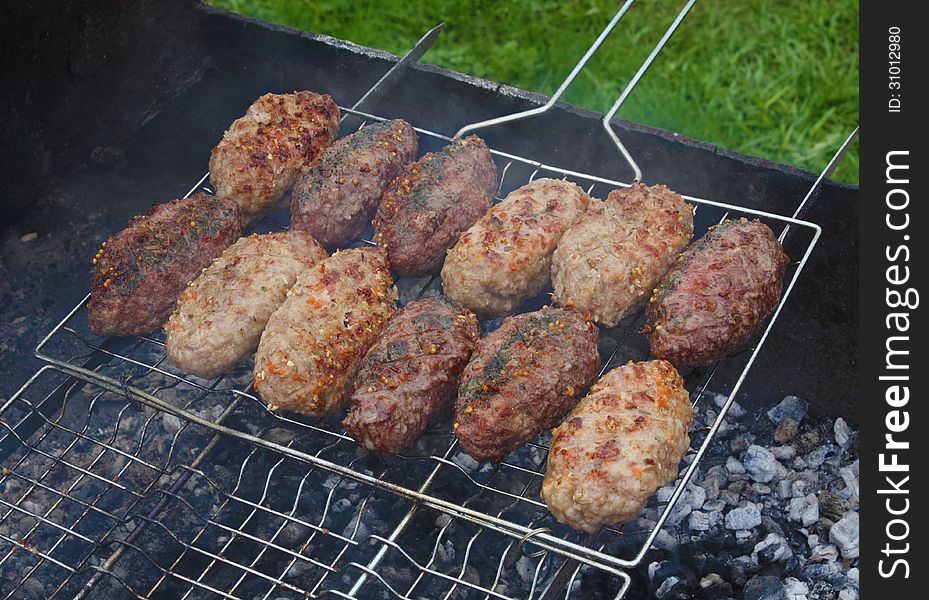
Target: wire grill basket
x,y
122,474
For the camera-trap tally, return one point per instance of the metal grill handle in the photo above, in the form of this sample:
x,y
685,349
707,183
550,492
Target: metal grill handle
x,y
561,89
631,86
826,172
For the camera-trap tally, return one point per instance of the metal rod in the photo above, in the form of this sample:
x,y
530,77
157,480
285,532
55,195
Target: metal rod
x,y
401,526
390,78
631,86
562,171
826,172
561,89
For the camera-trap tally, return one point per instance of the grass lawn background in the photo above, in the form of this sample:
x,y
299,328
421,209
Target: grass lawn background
x,y
776,79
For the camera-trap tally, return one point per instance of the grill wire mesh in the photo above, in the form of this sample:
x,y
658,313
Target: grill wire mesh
x,y
132,479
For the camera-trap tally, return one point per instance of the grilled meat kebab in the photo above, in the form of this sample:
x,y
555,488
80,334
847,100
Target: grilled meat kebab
x,y
506,257
523,379
621,443
219,318
431,202
140,271
612,258
262,153
313,344
717,294
335,199
410,375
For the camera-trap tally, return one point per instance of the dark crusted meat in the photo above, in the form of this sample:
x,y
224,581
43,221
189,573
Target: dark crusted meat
x,y
431,202
614,255
262,153
335,199
141,270
313,345
411,374
622,442
523,379
716,294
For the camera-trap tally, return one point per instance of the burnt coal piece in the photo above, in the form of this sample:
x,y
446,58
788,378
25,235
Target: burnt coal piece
x,y
771,513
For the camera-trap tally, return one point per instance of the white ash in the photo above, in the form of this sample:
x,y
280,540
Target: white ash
x,y
850,477
844,534
760,463
670,586
796,589
442,520
735,467
341,505
790,407
774,548
804,510
780,494
735,409
744,517
467,463
843,433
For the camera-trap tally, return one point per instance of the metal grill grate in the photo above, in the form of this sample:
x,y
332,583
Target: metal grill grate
x,y
119,494
247,503
491,516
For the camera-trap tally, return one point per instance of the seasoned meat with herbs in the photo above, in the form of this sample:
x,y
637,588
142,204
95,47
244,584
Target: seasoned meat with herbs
x,y
219,318
523,379
261,154
313,344
609,261
621,443
410,374
506,257
141,270
717,294
335,199
431,202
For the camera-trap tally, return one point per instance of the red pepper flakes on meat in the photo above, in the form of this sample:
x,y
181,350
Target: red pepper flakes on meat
x,y
626,452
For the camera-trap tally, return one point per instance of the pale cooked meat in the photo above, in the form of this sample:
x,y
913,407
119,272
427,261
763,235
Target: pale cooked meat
x,y
313,344
219,318
609,261
505,258
263,152
621,443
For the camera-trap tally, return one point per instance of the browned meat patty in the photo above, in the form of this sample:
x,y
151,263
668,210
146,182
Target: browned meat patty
x,y
716,294
262,153
523,379
313,345
220,316
506,257
335,199
611,259
621,443
410,374
141,270
431,202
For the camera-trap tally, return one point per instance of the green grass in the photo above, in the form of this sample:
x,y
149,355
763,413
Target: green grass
x,y
771,78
